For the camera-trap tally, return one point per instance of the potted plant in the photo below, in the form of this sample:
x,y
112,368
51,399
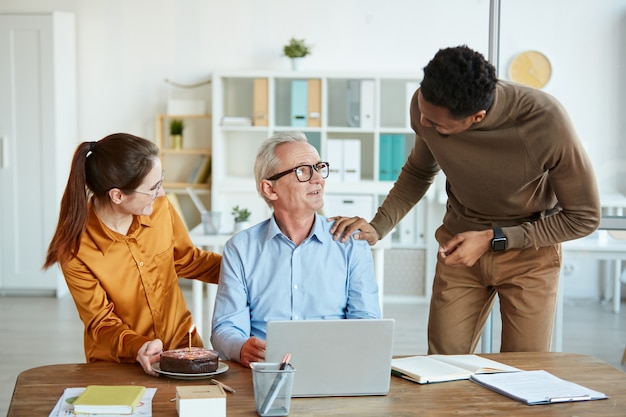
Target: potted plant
x,y
296,49
176,133
242,216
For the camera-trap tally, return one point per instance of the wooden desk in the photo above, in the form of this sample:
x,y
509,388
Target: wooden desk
x,y
38,389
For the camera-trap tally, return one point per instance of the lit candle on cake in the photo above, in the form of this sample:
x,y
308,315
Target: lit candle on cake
x,y
191,329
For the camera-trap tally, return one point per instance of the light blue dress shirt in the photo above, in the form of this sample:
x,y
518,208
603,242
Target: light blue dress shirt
x,y
265,276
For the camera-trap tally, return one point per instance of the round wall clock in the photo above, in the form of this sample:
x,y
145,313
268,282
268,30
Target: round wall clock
x,y
531,68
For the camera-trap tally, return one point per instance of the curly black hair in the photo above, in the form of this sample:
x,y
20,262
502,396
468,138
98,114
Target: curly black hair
x,y
459,79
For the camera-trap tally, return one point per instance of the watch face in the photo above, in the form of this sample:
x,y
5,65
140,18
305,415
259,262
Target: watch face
x,y
498,244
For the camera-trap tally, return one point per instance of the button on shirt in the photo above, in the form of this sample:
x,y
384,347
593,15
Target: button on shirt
x,y
265,276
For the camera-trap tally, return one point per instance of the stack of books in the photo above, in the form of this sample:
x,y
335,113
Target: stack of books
x,y
201,171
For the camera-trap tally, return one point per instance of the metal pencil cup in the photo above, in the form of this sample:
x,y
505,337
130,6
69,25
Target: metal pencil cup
x,y
272,388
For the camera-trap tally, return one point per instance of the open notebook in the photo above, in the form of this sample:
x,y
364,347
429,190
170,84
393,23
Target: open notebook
x,y
440,368
334,357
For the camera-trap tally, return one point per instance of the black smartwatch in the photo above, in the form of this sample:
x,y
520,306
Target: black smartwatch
x,y
498,243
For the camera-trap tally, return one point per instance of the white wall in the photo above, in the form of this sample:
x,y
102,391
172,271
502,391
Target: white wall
x,y
127,47
586,43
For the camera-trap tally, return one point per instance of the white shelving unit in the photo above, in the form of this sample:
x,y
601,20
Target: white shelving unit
x,y
249,107
183,166
179,164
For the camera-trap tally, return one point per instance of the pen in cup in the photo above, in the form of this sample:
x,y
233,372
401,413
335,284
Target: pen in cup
x,y
285,361
276,385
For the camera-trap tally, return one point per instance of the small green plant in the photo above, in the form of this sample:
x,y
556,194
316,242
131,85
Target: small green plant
x,y
176,127
296,48
241,215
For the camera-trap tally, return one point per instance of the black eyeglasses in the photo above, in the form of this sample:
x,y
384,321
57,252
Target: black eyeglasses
x,y
303,174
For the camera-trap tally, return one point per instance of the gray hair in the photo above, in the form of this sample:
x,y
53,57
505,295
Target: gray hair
x,y
266,163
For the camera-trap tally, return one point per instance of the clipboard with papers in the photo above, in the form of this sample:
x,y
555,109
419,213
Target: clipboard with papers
x,y
536,387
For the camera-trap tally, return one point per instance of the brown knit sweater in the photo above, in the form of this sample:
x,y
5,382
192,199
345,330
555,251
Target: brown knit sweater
x,y
521,168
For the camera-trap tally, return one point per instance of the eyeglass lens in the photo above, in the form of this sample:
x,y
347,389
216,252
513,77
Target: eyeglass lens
x,y
305,172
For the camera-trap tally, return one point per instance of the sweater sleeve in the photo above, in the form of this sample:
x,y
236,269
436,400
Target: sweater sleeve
x,y
417,174
572,179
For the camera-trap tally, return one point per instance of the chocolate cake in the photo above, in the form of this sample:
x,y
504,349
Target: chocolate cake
x,y
195,361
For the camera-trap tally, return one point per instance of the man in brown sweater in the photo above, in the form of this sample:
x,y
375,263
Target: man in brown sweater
x,y
518,182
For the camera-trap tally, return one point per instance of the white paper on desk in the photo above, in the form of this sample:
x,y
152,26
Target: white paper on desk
x,y
64,406
536,387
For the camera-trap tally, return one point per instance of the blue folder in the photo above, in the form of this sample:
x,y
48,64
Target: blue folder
x,y
299,101
398,155
385,158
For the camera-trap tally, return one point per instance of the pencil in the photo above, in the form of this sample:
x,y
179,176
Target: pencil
x,y
223,385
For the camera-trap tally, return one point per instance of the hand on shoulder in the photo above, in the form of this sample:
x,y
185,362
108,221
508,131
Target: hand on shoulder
x,y
345,226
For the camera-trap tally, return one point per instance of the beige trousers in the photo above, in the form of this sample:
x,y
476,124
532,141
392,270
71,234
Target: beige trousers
x,y
526,282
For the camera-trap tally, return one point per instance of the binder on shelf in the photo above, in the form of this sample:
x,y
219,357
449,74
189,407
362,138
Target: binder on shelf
x,y
367,104
398,155
299,90
385,156
392,156
407,228
411,87
260,102
351,160
334,155
353,103
344,156
315,102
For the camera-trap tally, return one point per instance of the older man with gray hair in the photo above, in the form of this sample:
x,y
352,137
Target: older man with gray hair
x,y
289,267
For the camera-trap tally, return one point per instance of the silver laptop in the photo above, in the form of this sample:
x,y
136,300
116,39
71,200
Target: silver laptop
x,y
334,357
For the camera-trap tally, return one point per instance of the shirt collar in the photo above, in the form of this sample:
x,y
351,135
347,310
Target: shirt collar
x,y
103,237
317,232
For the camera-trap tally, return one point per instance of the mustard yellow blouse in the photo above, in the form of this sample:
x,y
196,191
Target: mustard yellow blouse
x,y
126,287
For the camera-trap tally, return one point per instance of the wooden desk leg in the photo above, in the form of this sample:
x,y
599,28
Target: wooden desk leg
x,y
617,286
